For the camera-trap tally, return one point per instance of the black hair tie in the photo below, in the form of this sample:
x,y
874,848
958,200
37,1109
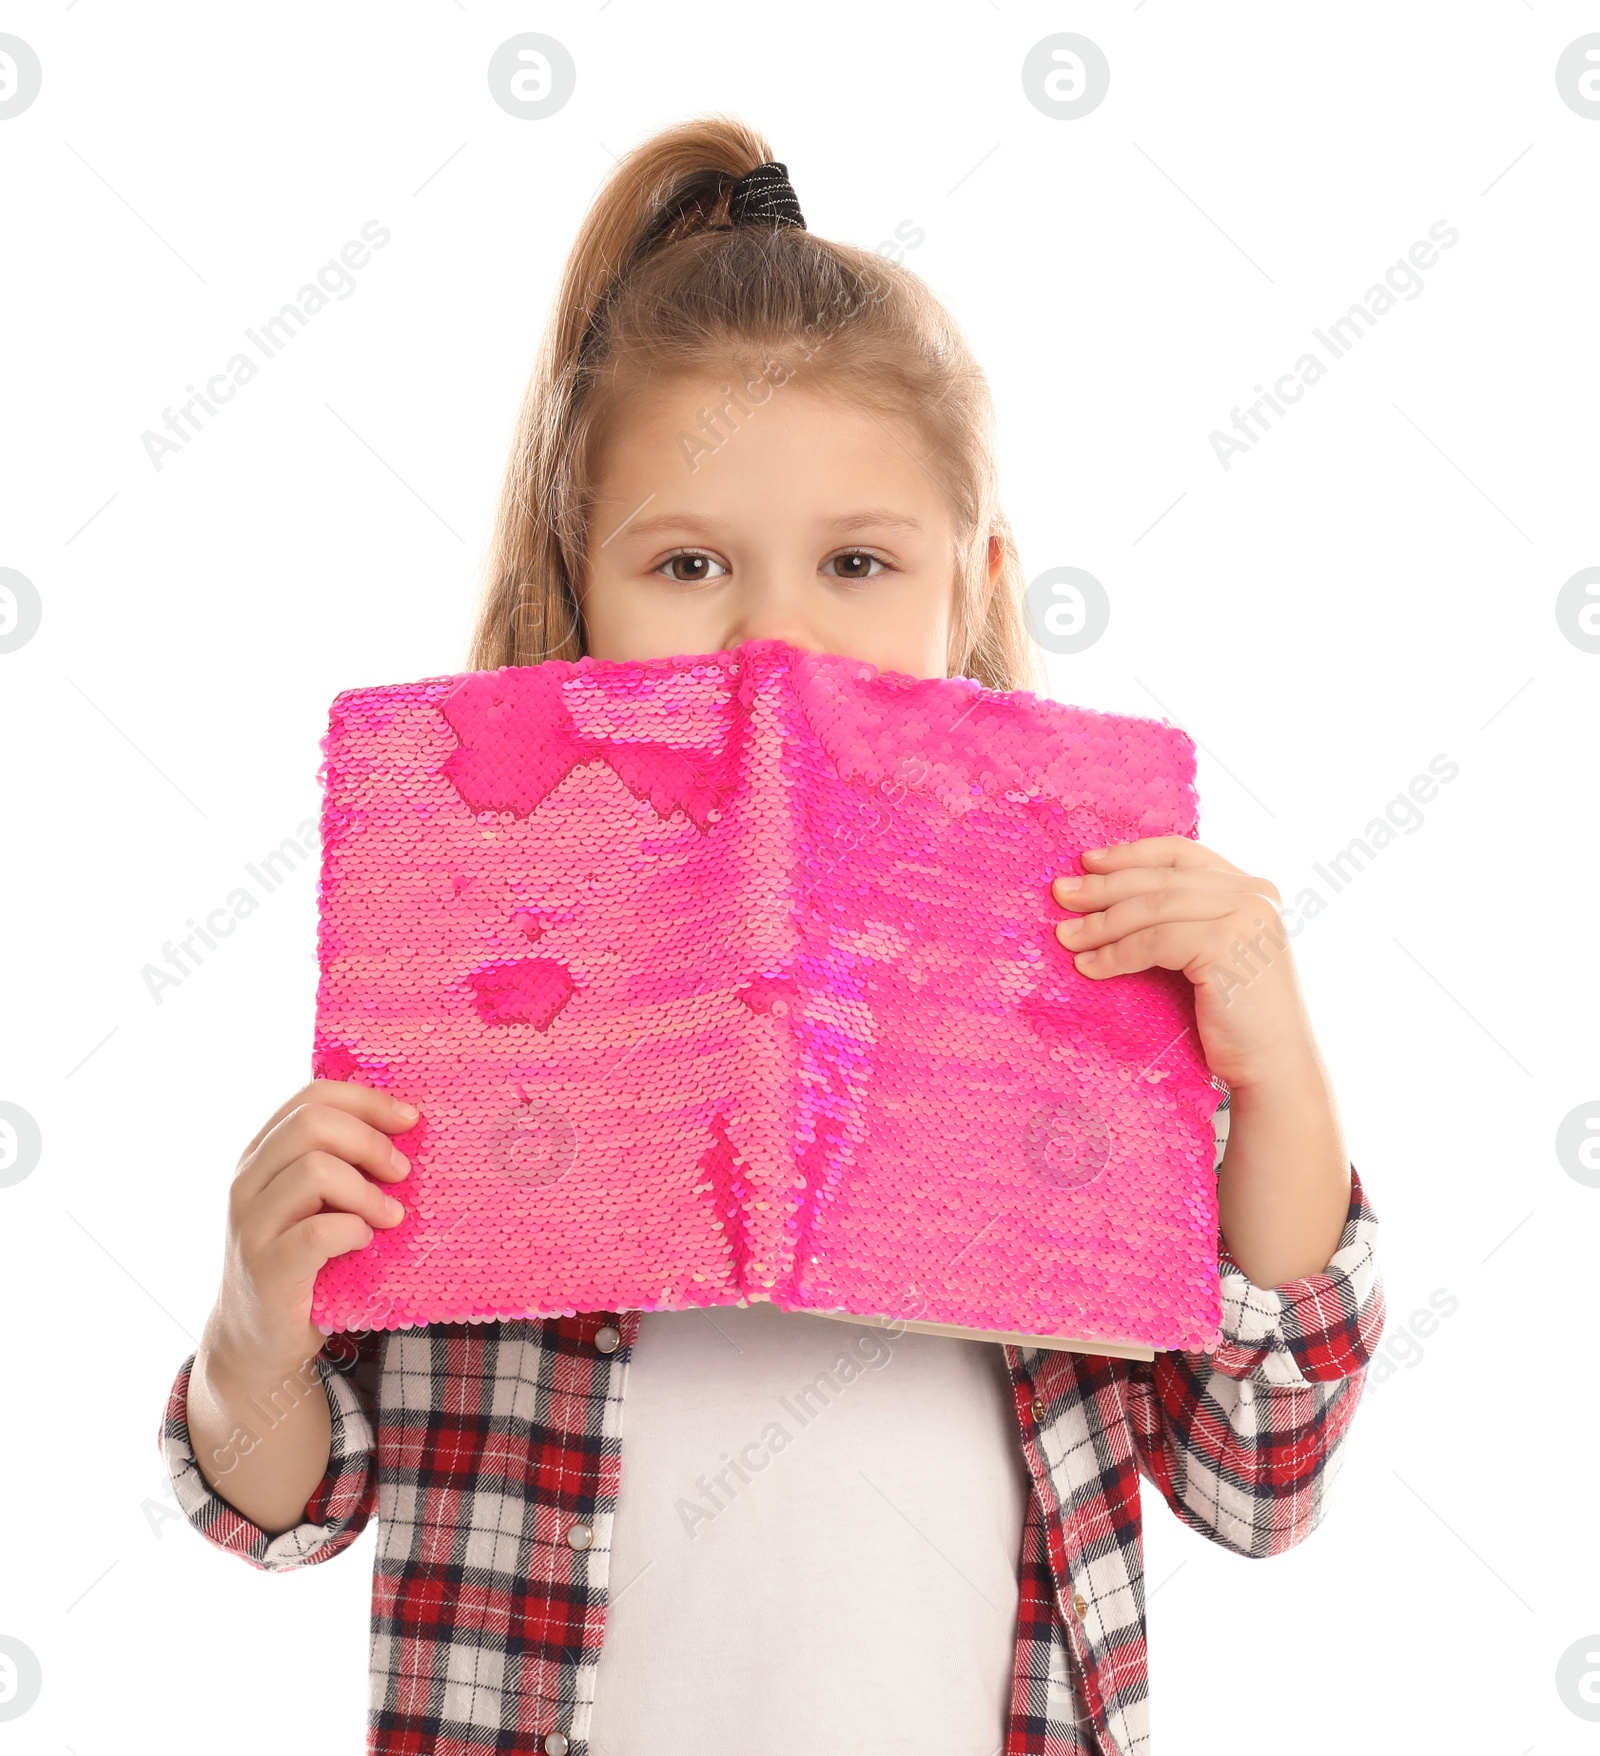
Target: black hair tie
x,y
765,197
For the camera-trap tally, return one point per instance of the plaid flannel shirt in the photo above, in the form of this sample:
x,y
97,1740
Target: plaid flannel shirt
x,y
492,1453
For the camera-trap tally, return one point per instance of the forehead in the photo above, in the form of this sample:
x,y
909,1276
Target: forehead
x,y
710,438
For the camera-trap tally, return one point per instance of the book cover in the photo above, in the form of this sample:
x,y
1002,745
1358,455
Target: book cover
x,y
728,977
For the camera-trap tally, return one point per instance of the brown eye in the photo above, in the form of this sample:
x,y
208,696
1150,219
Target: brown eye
x,y
688,568
857,564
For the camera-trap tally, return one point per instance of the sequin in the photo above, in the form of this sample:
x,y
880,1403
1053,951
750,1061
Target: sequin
x,y
734,977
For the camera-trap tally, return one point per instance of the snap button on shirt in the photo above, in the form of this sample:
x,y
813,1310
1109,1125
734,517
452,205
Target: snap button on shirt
x,y
579,1536
1080,1604
607,1339
555,1744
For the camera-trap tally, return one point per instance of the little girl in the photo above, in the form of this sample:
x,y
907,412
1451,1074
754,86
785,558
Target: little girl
x,y
664,1533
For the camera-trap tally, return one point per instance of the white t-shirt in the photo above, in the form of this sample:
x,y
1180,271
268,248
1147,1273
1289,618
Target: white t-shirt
x,y
815,1544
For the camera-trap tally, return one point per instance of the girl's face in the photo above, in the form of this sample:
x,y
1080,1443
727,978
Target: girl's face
x,y
800,519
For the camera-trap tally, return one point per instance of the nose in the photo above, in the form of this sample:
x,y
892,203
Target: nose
x,y
788,631
772,608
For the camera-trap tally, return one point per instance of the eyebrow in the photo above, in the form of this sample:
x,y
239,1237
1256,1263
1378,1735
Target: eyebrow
x,y
879,517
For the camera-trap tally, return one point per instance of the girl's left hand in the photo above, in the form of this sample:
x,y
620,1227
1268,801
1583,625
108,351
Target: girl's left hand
x,y
1167,902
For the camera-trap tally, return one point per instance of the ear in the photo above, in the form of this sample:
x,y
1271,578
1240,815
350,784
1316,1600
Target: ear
x,y
997,556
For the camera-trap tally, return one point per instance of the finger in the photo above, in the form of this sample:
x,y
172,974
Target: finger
x,y
1096,891
328,1125
1173,945
1155,850
299,1254
381,1108
1154,906
316,1183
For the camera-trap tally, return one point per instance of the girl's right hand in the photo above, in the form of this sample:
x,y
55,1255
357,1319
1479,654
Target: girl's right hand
x,y
304,1192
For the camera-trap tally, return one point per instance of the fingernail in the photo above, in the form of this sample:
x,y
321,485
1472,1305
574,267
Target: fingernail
x,y
401,1163
1069,884
396,1209
1084,957
409,1111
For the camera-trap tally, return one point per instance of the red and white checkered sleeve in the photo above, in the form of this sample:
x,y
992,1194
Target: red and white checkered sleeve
x,y
1246,1441
343,1500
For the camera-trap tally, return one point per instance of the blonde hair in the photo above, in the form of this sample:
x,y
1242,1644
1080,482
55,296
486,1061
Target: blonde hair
x,y
658,283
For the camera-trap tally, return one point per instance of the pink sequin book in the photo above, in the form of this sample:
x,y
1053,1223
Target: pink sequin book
x,y
734,977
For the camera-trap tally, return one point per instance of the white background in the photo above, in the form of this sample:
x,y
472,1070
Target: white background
x,y
1373,584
